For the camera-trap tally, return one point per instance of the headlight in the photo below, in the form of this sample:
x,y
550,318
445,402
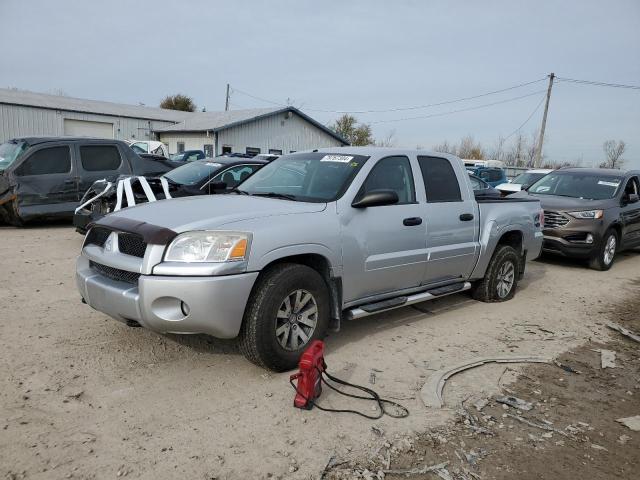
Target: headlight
x,y
209,247
587,214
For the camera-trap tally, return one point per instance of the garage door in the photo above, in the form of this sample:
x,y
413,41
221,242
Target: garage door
x,y
84,128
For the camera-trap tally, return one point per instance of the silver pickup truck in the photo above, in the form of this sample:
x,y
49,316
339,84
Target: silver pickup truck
x,y
309,241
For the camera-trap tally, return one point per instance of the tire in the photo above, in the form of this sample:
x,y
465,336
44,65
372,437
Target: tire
x,y
265,338
503,267
605,257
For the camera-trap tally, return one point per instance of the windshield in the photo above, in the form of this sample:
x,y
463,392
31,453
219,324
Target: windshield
x,y
193,173
9,152
528,178
306,177
577,185
177,156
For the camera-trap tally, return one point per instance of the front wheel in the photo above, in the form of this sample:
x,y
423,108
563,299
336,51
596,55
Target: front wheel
x,y
501,278
287,310
607,251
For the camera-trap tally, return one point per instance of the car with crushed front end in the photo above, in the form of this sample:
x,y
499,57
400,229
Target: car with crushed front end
x,y
310,240
589,213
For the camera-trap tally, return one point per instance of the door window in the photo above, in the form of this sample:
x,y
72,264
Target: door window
x,y
180,146
235,175
100,158
226,149
275,151
440,180
631,187
253,151
391,173
47,161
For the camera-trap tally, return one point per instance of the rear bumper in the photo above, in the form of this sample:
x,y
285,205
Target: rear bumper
x,y
170,304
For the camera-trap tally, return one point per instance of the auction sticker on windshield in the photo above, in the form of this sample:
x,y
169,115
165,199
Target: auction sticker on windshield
x,y
608,184
337,158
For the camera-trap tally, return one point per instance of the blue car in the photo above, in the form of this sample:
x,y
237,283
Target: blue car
x,y
492,175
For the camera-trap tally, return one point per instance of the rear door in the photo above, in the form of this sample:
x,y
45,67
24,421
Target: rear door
x,y
450,214
99,161
384,246
630,213
47,183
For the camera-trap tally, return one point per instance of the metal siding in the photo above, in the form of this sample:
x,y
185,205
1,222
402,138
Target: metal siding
x,y
21,121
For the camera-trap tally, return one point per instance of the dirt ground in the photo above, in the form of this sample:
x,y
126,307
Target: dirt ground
x,y
84,396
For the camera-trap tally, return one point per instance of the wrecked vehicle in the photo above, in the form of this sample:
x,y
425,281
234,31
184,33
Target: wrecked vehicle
x,y
589,213
311,240
44,177
199,177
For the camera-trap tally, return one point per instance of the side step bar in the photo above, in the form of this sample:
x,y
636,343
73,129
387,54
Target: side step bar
x,y
382,306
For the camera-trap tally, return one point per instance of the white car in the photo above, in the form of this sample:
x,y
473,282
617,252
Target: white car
x,y
149,146
523,181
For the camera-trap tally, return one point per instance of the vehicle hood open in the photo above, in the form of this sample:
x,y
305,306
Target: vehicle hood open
x,y
208,212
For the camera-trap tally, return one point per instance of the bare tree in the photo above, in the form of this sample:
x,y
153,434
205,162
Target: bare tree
x,y
445,147
497,152
388,141
471,149
614,151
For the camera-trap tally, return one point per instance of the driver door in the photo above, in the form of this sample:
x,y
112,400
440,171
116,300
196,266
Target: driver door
x,y
630,213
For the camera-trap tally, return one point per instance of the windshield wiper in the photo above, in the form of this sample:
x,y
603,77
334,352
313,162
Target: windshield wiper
x,y
285,196
238,191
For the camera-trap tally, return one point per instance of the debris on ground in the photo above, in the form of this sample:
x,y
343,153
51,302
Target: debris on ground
x,y
566,368
607,358
624,331
516,403
632,423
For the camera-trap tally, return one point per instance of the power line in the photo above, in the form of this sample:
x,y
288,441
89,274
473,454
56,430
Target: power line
x,y
460,110
597,84
397,109
526,121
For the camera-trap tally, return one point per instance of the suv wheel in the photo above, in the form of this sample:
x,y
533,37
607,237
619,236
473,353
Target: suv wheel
x,y
287,310
501,278
607,251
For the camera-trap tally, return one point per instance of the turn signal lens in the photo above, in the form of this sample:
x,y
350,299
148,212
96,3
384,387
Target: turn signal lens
x,y
239,250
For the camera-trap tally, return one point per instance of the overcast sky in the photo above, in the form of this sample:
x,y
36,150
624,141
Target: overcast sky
x,y
348,55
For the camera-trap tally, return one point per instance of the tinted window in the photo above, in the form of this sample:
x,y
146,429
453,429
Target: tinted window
x,y
193,173
234,175
391,173
99,158
440,180
47,161
478,184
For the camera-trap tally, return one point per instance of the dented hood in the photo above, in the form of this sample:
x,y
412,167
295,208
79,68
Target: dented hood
x,y
207,212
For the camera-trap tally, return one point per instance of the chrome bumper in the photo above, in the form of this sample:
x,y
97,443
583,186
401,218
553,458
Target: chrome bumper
x,y
170,304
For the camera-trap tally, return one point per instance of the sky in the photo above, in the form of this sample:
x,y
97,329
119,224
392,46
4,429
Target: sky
x,y
359,55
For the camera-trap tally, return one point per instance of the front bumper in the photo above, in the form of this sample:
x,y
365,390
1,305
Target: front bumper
x,y
570,242
170,304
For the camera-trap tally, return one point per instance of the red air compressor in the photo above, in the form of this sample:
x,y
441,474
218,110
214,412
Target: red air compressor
x,y
310,375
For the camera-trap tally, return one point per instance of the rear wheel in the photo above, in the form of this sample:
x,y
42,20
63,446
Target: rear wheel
x,y
607,252
501,278
287,310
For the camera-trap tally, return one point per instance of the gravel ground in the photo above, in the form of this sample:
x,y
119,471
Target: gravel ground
x,y
83,396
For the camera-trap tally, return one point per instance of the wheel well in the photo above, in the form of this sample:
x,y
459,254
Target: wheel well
x,y
618,228
513,239
334,284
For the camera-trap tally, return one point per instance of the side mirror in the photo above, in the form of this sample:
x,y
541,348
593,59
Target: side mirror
x,y
218,186
631,198
376,198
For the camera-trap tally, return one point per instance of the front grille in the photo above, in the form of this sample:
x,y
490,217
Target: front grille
x,y
97,236
554,219
131,244
115,273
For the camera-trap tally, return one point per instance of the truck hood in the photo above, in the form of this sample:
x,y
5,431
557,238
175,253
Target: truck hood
x,y
206,212
553,202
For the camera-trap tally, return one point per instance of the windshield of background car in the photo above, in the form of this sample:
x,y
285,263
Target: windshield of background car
x,y
528,178
193,173
177,156
307,177
9,152
577,185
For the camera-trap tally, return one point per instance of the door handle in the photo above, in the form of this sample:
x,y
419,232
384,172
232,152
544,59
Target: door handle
x,y
466,217
412,221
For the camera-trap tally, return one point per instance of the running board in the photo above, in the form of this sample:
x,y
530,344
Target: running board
x,y
396,302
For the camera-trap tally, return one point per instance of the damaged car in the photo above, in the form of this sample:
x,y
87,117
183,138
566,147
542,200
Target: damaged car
x,y
199,177
43,177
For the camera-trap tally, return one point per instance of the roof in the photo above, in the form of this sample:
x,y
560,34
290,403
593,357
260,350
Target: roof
x,y
216,121
38,140
59,102
604,172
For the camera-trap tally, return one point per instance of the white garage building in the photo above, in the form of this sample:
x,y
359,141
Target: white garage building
x,y
279,130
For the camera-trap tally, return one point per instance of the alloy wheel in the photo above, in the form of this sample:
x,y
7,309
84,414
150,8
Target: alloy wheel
x,y
610,250
506,279
296,320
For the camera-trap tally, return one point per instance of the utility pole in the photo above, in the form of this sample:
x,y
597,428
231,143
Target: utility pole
x,y
538,157
226,103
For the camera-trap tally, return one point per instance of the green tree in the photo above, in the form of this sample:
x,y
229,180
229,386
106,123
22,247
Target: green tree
x,y
178,102
356,134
